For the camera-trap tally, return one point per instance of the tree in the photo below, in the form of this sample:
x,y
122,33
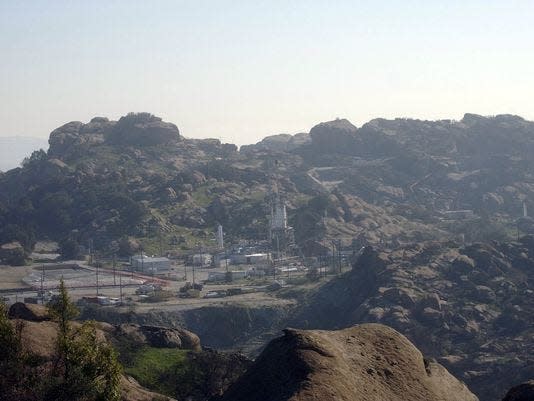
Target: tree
x,y
13,378
69,248
85,367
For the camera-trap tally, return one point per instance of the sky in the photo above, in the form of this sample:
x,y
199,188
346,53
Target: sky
x,y
242,70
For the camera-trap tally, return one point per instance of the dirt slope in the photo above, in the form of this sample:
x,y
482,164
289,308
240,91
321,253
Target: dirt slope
x,y
369,362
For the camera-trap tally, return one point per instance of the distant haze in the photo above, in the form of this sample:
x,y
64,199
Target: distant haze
x,y
241,70
13,150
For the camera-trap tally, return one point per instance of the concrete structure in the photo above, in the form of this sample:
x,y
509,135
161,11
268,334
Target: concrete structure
x,y
221,260
220,237
280,234
224,276
278,215
151,265
217,276
202,259
525,210
251,259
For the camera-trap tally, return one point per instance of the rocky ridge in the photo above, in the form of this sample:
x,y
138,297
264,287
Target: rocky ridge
x,y
387,182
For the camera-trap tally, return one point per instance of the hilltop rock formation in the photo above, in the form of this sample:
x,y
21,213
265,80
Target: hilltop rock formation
x,y
336,136
142,129
368,362
135,129
278,143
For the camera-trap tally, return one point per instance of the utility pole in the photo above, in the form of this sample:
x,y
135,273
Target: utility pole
x,y
142,262
42,283
90,252
333,257
97,292
114,270
339,254
120,287
160,243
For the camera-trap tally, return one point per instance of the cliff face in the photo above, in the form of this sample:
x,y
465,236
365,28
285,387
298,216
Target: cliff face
x,y
368,362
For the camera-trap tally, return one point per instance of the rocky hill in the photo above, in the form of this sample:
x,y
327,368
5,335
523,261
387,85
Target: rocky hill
x,y
388,182
368,362
469,307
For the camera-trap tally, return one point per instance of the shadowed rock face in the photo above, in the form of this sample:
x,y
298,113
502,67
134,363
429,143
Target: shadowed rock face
x,y
523,392
29,312
368,362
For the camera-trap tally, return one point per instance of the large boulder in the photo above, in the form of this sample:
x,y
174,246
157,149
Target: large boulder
x,y
159,337
142,129
368,362
69,137
338,136
29,312
522,392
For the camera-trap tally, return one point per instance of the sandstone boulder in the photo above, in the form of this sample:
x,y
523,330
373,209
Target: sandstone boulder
x,y
368,362
30,312
159,337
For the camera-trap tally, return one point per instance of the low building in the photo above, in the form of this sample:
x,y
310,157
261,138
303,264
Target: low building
x,y
251,259
150,265
227,276
202,259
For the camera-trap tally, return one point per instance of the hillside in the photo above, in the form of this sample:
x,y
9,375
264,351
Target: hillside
x,y
469,307
389,182
157,362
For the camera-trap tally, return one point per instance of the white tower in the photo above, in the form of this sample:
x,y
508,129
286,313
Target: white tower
x,y
525,211
278,215
220,236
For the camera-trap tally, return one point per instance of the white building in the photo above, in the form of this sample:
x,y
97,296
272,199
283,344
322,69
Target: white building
x,y
151,265
202,259
251,259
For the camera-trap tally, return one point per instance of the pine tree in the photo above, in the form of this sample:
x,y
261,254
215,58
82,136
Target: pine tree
x,y
85,367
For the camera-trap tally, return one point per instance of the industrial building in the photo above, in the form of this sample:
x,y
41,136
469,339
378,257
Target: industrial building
x,y
250,259
151,265
202,259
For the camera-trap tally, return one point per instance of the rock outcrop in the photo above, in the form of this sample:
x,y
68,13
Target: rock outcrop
x,y
522,392
142,129
135,129
29,312
368,362
158,337
338,136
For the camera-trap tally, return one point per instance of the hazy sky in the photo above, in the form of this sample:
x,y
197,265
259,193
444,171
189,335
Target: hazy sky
x,y
241,70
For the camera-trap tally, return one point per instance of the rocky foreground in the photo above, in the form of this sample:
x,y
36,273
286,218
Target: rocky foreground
x,y
369,362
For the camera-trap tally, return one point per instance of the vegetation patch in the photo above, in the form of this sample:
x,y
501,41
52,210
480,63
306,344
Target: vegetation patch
x,y
150,365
